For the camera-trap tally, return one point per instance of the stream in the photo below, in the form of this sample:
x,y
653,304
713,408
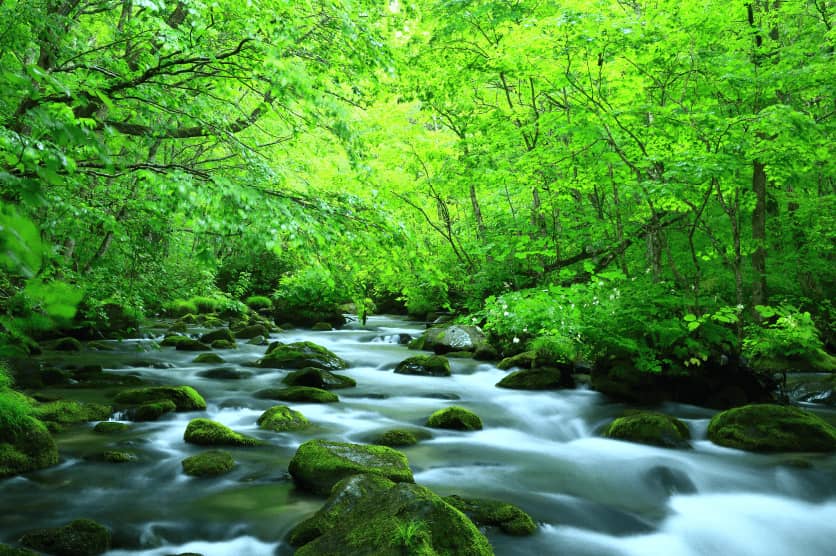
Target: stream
x,y
542,451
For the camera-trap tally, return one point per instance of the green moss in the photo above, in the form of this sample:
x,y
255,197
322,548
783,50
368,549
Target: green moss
x,y
525,360
211,358
205,304
179,308
396,437
772,428
460,354
219,334
259,303
189,318
205,432
28,448
416,343
299,355
15,410
456,418
545,378
209,464
371,515
67,412
424,365
319,464
177,328
509,518
317,378
150,411
191,345
175,340
322,327
66,344
281,418
297,394
6,550
252,331
185,398
82,537
111,427
223,344
646,427
116,456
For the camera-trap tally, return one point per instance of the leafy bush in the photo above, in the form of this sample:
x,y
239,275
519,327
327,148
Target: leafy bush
x,y
259,302
179,308
205,304
785,332
308,294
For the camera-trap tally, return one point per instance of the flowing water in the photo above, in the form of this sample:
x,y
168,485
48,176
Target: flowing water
x,y
540,450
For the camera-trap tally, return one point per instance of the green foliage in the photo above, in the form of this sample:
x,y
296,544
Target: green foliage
x,y
15,409
310,291
259,302
179,308
413,535
784,332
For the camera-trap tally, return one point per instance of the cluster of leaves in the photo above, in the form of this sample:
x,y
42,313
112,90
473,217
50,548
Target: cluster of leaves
x,y
784,332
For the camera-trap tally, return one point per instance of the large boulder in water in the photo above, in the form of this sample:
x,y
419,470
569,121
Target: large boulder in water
x,y
424,365
368,515
208,464
297,394
185,398
543,378
511,519
317,378
205,432
218,334
281,418
455,418
646,427
320,464
455,337
82,537
772,428
299,355
26,447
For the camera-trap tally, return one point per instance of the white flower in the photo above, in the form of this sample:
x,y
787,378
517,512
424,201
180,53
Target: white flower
x,y
506,313
740,308
525,329
516,340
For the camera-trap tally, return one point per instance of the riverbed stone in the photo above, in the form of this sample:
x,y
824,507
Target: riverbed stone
x,y
455,418
218,334
208,464
6,550
185,398
27,448
297,394
150,411
211,358
318,465
322,327
647,427
225,373
371,515
318,378
66,344
281,418
772,428
252,331
60,413
118,456
191,345
399,437
525,360
82,537
482,511
424,365
172,340
111,427
299,355
455,337
223,344
541,378
205,432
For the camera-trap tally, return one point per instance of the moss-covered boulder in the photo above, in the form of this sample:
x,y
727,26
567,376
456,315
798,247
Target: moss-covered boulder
x,y
424,365
118,456
454,337
66,344
373,516
281,418
82,537
225,373
185,398
541,378
485,352
6,550
646,427
525,360
317,378
509,518
60,413
299,355
297,394
208,464
399,437
772,428
26,447
150,411
205,432
319,464
219,334
111,427
192,345
174,340
210,358
223,344
252,331
416,343
455,418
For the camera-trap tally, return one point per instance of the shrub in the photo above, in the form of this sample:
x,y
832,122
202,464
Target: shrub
x,y
179,308
259,302
785,332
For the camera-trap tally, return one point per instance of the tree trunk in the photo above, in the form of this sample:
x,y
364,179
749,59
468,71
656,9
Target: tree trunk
x,y
759,292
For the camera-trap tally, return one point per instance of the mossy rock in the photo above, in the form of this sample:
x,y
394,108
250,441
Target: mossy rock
x,y
252,331
69,412
211,358
541,378
460,355
212,321
51,376
646,427
205,432
399,437
178,328
6,550
257,341
455,418
424,365
526,360
174,340
82,537
208,464
185,398
369,515
772,428
66,344
225,373
318,465
100,346
299,355
485,352
191,345
317,378
223,344
189,318
322,327
28,448
417,343
297,394
453,337
111,427
150,411
509,518
281,418
118,456
219,334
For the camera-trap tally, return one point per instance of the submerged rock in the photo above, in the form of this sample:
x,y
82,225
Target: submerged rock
x,y
252,331
526,360
299,355
368,515
281,418
208,464
219,334
297,394
399,437
223,344
225,373
205,432
82,537
322,327
318,378
456,337
191,345
772,428
185,398
118,456
111,427
150,411
319,464
509,518
542,378
175,339
818,388
27,448
211,358
424,365
655,429
456,418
